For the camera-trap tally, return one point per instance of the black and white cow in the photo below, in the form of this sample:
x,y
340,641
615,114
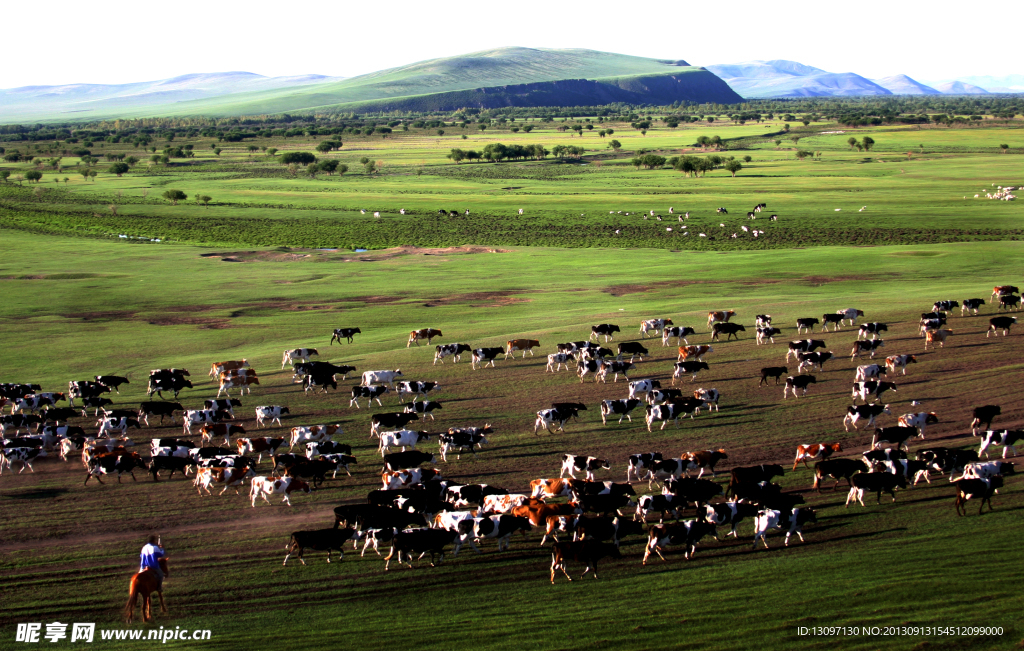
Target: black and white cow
x,y
997,323
641,462
871,388
653,325
791,522
661,396
672,412
767,334
344,333
730,513
557,360
371,393
416,388
1006,438
24,456
794,382
423,407
866,346
803,346
620,408
605,330
405,438
270,413
855,413
462,439
640,387
763,320
688,368
874,482
572,463
981,488
810,360
555,417
680,333
806,324
971,305
484,356
633,349
871,330
615,368
450,350
945,306
297,355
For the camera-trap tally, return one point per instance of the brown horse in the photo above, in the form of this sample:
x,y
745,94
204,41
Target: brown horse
x,y
144,583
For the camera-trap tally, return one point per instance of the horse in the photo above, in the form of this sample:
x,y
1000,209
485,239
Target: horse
x,y
144,583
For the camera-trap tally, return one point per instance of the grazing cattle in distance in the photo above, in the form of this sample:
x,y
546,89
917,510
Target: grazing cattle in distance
x,y
918,420
815,452
653,325
285,487
558,360
873,388
573,463
936,336
695,352
971,305
1003,290
638,387
450,350
704,460
525,345
835,319
806,324
850,314
794,382
621,408
838,469
871,330
687,533
679,332
344,333
790,522
484,356
720,316
380,377
1006,438
856,413
423,333
605,330
297,355
639,462
633,349
997,323
371,393
270,413
810,360
729,329
984,415
899,361
870,345
767,334
772,371
588,552
982,488
803,346
874,482
688,368
894,436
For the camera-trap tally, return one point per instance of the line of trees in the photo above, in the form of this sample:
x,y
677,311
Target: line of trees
x,y
497,152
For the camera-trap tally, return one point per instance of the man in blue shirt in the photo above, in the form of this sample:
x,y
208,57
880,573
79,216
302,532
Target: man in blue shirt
x,y
151,555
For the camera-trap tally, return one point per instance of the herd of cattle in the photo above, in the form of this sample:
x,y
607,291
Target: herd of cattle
x,y
416,511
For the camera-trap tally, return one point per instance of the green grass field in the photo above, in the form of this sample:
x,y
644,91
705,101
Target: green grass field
x,y
245,278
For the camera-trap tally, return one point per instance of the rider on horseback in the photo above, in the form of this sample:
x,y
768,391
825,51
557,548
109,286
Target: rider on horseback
x,y
152,552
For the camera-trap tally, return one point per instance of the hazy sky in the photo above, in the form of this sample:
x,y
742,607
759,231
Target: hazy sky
x,y
116,41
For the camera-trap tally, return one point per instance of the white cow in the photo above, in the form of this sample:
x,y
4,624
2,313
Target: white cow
x,y
272,413
380,377
285,486
297,355
793,524
405,438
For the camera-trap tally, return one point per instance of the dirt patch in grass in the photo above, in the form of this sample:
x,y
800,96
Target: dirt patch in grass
x,y
318,255
376,300
204,323
113,315
622,290
477,299
824,280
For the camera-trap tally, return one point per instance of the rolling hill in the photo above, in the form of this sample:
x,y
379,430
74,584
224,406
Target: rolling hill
x,y
780,78
523,75
904,85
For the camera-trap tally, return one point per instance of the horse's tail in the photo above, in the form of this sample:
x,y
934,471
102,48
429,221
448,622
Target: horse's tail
x,y
133,598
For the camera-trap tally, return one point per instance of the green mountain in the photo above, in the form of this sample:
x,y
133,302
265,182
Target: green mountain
x,y
511,76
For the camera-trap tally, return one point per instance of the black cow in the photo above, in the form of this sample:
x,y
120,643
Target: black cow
x,y
606,528
319,540
313,469
813,359
57,414
344,333
420,542
838,469
997,323
690,368
874,482
161,409
588,552
754,474
803,346
729,329
894,435
605,329
980,488
223,404
159,384
947,460
772,371
697,491
181,464
390,421
794,382
835,319
106,464
866,346
984,415
602,503
971,305
1008,302
416,388
633,349
806,324
408,459
112,381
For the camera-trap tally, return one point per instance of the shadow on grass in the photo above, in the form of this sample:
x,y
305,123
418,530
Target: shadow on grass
x,y
37,494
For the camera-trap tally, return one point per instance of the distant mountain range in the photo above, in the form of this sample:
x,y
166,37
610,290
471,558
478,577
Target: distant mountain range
x,y
780,78
509,76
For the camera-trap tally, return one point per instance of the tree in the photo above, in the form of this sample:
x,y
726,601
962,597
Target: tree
x,y
1005,148
777,142
131,161
4,175
204,199
527,128
217,151
457,155
271,151
299,157
119,168
342,168
364,160
85,174
615,144
440,132
324,147
33,175
610,132
804,154
747,159
734,166
852,142
174,196
66,179
602,133
868,142
370,166
113,209
482,127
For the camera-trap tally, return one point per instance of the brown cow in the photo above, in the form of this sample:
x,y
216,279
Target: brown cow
x,y
721,316
423,333
693,352
525,345
815,452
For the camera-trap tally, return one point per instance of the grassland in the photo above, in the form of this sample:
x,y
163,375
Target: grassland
x,y
79,306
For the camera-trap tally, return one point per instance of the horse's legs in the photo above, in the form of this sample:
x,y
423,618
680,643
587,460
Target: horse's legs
x,y
147,614
163,606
